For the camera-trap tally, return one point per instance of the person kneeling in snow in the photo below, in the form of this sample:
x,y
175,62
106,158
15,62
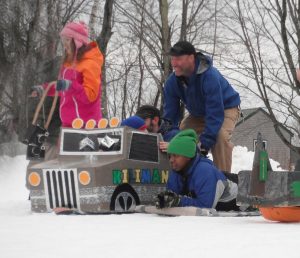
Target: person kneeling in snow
x,y
194,180
156,124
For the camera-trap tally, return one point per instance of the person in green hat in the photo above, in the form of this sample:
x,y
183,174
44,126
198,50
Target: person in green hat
x,y
194,180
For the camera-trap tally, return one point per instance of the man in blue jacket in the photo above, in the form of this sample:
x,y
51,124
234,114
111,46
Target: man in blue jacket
x,y
212,103
194,180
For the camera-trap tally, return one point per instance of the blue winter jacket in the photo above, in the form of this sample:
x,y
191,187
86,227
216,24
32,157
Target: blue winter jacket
x,y
168,136
206,93
202,180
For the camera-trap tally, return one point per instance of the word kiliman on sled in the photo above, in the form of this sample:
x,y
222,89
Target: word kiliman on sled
x,y
276,193
98,171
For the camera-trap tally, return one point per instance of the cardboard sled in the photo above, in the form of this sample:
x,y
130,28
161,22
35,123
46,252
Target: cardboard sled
x,y
276,193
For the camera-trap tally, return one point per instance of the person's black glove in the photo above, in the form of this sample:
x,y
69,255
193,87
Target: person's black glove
x,y
202,151
38,89
63,85
167,199
166,126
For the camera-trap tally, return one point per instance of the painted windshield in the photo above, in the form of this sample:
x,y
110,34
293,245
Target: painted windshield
x,y
94,142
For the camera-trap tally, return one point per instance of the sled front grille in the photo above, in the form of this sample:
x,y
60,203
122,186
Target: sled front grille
x,y
61,188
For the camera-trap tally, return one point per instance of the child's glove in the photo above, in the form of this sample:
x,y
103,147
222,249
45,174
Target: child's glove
x,y
167,199
63,85
37,91
202,151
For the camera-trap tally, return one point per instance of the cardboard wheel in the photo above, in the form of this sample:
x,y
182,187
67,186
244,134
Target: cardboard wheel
x,y
124,199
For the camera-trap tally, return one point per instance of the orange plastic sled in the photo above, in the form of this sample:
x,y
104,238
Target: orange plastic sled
x,y
282,214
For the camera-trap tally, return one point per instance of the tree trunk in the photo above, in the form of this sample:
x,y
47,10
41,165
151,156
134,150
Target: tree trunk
x,y
166,45
93,19
140,57
183,28
102,41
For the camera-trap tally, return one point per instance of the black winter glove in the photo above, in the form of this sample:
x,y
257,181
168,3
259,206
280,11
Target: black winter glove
x,y
166,126
202,151
63,85
38,89
167,199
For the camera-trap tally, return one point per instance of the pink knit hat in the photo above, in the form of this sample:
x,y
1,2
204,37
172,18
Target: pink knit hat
x,y
77,31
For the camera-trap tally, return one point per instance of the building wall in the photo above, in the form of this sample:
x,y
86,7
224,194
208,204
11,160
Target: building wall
x,y
295,156
246,132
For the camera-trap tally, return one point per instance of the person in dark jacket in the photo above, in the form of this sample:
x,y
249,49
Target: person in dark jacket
x,y
155,124
194,180
212,103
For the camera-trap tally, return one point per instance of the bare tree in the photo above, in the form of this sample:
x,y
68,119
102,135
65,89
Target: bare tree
x,y
269,33
102,41
134,36
140,55
28,39
154,24
93,18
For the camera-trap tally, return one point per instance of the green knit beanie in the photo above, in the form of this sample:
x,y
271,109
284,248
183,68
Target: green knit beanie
x,y
184,144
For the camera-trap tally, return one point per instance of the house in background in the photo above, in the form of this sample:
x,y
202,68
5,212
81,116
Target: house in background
x,y
256,120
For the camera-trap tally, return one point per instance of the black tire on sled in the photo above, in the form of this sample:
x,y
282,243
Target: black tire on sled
x,y
124,198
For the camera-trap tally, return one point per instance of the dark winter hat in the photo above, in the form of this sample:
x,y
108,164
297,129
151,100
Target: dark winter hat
x,y
134,122
147,111
184,144
182,48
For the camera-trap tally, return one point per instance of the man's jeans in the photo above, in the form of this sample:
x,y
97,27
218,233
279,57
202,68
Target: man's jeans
x,y
222,150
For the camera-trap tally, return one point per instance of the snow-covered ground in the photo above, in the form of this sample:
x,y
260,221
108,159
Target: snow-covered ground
x,y
25,234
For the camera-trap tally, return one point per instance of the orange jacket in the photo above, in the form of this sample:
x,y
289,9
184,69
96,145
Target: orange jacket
x,y
90,66
83,98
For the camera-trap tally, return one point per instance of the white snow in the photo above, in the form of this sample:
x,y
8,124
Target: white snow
x,y
25,234
243,159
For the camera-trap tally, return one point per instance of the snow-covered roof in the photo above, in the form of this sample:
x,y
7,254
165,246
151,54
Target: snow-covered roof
x,y
247,113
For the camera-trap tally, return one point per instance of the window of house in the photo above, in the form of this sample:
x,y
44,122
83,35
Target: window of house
x,y
144,147
265,144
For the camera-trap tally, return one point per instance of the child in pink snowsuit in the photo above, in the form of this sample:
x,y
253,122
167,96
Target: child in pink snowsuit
x,y
79,82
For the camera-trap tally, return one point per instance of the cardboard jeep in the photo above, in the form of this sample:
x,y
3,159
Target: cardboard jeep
x,y
99,170
263,187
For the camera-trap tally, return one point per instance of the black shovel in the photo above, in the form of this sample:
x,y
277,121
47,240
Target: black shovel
x,y
36,134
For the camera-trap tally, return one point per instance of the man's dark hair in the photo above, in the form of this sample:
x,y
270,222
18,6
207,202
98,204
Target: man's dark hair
x,y
182,48
148,111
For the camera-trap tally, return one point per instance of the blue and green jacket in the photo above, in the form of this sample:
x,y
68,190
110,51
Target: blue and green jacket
x,y
206,93
201,185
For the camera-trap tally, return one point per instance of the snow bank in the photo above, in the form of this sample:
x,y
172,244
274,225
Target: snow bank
x,y
242,159
31,235
12,178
